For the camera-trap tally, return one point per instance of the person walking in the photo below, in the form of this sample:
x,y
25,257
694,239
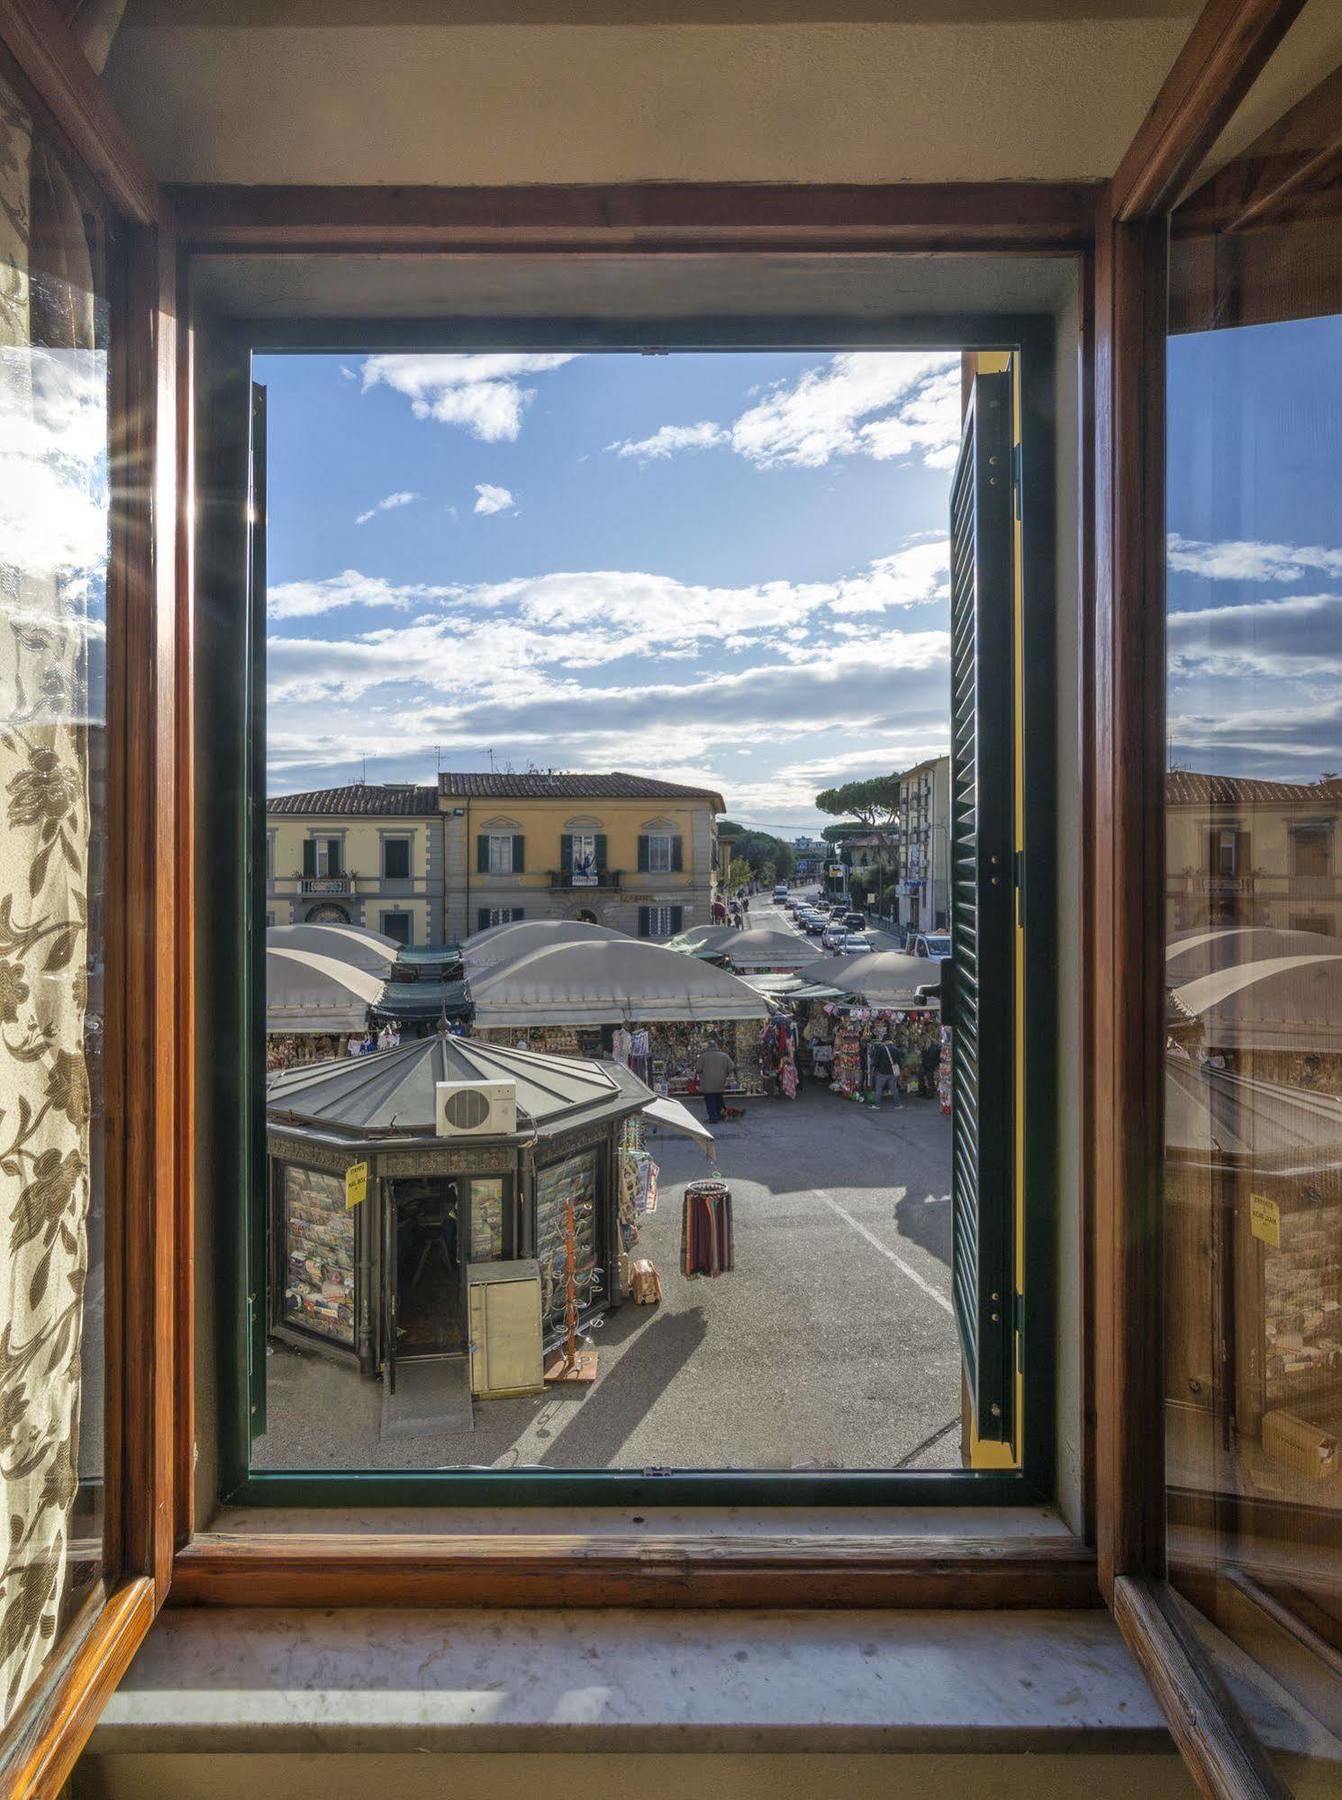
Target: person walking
x,y
716,1072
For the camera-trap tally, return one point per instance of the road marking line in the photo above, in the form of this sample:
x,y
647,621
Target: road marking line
x,y
885,1250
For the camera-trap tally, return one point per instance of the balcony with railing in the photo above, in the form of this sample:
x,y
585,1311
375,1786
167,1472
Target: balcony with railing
x,y
590,881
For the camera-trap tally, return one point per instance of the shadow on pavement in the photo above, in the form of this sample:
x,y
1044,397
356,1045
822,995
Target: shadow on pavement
x,y
926,1223
613,1407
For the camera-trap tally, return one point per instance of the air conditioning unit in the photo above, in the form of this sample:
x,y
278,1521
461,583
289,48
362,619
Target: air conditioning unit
x,y
475,1108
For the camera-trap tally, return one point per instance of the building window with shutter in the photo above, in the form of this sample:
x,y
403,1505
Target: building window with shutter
x,y
659,921
398,925
396,859
500,853
664,853
489,916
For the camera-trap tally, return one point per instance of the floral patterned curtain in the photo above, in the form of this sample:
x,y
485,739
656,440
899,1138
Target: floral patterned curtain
x,y
53,561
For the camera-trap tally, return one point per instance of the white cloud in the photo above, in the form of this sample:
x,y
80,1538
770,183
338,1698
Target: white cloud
x,y
310,599
491,499
667,439
391,502
1300,636
347,372
1245,559
878,403
482,394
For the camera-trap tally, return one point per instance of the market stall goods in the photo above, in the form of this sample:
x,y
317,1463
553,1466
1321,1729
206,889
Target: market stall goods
x,y
318,1254
706,1243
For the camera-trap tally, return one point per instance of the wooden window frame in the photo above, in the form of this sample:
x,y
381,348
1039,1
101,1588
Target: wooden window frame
x,y
149,1107
1120,239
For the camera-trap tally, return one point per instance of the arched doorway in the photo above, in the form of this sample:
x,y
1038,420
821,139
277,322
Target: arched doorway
x,y
585,916
328,913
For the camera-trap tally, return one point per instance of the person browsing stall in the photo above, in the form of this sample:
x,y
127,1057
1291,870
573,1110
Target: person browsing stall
x,y
716,1073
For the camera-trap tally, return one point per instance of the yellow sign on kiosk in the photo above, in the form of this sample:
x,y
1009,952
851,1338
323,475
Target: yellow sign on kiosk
x,y
356,1184
1265,1219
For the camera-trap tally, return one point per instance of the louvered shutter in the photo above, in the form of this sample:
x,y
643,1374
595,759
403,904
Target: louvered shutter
x,y
978,1006
601,852
645,921
519,854
566,853
309,856
482,854
642,854
677,854
677,920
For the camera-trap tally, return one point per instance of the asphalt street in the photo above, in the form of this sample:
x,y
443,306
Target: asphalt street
x,y
830,1345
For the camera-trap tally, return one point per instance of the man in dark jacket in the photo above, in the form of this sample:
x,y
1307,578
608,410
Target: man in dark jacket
x,y
716,1072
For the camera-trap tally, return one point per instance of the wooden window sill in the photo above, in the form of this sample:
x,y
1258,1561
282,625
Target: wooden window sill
x,y
952,1558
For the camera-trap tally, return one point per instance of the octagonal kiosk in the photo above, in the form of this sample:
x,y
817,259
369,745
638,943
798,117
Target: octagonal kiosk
x,y
399,1180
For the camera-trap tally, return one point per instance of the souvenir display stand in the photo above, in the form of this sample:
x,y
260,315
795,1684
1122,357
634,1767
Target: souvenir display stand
x,y
838,1036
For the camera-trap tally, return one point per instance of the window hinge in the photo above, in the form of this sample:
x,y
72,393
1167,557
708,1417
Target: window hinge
x,y
1017,466
1018,1320
1018,871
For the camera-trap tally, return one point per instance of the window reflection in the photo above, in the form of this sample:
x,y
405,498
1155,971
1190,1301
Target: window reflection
x,y
1253,950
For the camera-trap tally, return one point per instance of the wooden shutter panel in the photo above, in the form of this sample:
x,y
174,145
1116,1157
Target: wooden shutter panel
x,y
482,918
482,854
601,852
309,856
566,853
979,1005
519,854
644,860
677,920
645,921
677,854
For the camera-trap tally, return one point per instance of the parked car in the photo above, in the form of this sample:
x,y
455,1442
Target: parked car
x,y
933,944
855,943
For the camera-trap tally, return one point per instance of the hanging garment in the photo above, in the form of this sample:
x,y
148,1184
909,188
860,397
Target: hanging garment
x,y
621,1045
706,1246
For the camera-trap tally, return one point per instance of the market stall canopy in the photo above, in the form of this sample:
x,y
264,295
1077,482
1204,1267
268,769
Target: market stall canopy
x,y
880,977
1199,953
701,937
418,1002
626,981
1289,1003
392,1093
762,948
366,950
506,943
306,992
792,987
1212,1115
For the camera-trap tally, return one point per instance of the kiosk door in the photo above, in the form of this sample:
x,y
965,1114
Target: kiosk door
x,y
424,1269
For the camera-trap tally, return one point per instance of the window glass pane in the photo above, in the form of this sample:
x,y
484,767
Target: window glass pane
x,y
53,889
1253,946
500,855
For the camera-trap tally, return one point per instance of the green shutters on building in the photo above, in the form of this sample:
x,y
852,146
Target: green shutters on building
x,y
519,855
677,856
309,856
482,854
642,853
978,1006
601,860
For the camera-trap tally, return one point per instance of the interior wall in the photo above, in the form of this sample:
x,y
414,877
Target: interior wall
x,y
478,104
734,1777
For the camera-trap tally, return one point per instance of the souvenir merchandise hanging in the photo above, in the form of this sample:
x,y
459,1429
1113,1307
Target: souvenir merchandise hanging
x,y
944,1070
706,1246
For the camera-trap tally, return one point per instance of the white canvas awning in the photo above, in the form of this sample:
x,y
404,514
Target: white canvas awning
x,y
506,943
306,992
618,981
762,948
880,977
366,950
675,1117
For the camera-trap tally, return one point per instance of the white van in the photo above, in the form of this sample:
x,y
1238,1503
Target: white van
x,y
780,892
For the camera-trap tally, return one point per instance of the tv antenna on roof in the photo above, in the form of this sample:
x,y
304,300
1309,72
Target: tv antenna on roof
x,y
490,755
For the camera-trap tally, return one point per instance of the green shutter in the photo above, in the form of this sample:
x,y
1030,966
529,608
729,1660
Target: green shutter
x,y
677,919
482,854
566,854
482,918
519,855
979,1004
335,862
645,921
601,852
643,858
309,856
677,854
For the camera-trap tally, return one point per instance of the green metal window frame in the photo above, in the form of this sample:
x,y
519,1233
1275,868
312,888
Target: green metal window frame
x,y
231,760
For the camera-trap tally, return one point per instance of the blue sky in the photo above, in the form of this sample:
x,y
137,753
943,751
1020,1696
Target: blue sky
x,y
725,568
1255,568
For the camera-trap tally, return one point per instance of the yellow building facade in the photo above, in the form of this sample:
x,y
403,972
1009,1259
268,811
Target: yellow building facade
x,y
626,851
368,855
